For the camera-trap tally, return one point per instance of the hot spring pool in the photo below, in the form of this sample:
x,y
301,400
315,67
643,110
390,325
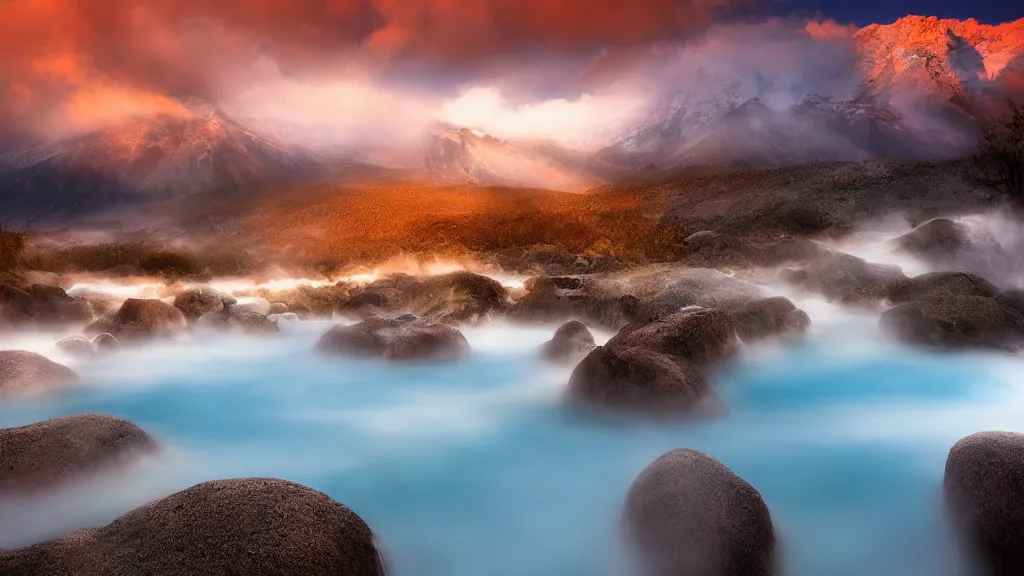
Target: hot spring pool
x,y
477,469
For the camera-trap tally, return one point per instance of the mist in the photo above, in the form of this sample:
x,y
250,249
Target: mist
x,y
488,457
563,75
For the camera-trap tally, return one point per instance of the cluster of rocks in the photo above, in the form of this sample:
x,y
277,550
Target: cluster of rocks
x,y
240,526
41,304
662,362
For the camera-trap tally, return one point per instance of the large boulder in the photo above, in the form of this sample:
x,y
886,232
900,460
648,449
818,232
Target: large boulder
x,y
688,514
956,322
769,318
47,453
140,319
984,486
571,342
939,284
948,245
628,379
54,305
244,526
16,305
396,340
22,371
935,240
699,336
836,276
196,301
559,298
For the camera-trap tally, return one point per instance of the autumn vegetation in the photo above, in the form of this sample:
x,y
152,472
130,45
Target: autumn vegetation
x,y
332,227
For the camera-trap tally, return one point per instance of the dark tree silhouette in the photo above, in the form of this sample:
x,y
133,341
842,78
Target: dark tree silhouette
x,y
999,159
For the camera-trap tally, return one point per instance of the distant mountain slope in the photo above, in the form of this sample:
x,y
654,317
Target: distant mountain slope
x,y
460,155
923,84
146,159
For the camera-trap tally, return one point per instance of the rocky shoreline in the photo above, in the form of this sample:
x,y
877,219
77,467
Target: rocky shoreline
x,y
674,326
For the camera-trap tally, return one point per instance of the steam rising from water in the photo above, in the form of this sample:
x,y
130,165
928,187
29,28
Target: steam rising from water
x,y
478,468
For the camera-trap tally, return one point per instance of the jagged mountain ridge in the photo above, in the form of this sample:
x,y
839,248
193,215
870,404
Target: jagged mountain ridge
x,y
923,84
147,159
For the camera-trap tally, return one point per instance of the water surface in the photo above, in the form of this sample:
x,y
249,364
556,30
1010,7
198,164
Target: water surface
x,y
478,469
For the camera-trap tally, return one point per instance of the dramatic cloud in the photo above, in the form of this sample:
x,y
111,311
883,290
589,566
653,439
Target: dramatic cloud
x,y
56,55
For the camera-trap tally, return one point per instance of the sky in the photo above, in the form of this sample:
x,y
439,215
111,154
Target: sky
x,y
867,12
338,72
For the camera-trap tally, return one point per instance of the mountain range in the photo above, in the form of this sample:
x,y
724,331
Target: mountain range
x,y
922,85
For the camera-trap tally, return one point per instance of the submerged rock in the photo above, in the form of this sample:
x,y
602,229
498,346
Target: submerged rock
x,y
139,319
699,336
571,341
47,453
390,339
688,514
769,318
956,322
253,323
199,300
76,346
984,486
22,371
245,526
637,379
106,343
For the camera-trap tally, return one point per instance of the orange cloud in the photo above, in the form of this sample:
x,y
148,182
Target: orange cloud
x,y
829,30
68,51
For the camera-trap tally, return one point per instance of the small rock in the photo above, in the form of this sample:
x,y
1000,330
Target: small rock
x,y
106,343
140,319
769,318
277,308
22,371
639,380
76,346
200,300
571,342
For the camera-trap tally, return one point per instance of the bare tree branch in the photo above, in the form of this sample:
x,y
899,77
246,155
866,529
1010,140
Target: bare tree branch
x,y
998,161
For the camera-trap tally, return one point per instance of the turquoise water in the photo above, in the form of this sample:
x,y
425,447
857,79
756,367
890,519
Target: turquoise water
x,y
478,469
